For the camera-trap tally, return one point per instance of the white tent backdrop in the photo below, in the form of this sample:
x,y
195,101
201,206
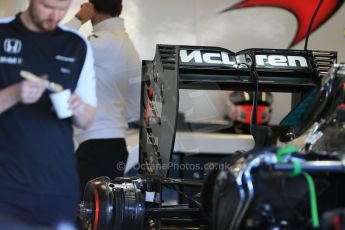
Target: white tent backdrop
x,y
199,22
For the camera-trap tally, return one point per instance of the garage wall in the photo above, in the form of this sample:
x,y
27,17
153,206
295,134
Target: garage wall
x,y
199,22
10,7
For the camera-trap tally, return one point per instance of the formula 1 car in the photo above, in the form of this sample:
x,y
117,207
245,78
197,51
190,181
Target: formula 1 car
x,y
248,190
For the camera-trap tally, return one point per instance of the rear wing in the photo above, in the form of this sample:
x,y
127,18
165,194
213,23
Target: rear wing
x,y
213,68
279,70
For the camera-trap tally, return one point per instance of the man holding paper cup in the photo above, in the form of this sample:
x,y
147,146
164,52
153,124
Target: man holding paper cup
x,y
39,181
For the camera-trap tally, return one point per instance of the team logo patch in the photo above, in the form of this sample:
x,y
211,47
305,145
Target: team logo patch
x,y
12,46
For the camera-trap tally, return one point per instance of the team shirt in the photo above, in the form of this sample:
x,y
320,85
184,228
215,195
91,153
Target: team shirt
x,y
118,74
36,148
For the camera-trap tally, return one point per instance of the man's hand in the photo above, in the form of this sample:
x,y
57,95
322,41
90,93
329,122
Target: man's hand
x,y
83,113
29,92
76,105
86,12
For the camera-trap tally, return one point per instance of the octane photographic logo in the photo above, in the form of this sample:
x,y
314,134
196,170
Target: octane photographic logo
x,y
303,10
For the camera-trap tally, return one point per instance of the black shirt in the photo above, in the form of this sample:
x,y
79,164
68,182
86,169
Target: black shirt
x,y
36,148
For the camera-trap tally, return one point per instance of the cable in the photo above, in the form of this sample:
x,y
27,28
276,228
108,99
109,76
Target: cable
x,y
297,170
255,80
311,24
281,152
313,201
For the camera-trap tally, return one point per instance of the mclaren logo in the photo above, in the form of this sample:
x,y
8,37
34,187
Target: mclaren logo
x,y
303,10
12,46
197,57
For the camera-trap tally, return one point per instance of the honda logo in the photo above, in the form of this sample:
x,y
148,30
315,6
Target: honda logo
x,y
12,46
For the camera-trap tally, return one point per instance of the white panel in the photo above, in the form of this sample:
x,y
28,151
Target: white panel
x,y
160,21
202,105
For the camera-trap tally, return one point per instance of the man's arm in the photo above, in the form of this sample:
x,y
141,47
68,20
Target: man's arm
x,y
84,14
8,98
74,23
26,92
83,101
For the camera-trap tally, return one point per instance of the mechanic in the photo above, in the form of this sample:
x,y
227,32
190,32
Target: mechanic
x,y
39,181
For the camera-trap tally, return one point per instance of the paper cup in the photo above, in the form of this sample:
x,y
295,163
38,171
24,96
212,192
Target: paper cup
x,y
60,103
